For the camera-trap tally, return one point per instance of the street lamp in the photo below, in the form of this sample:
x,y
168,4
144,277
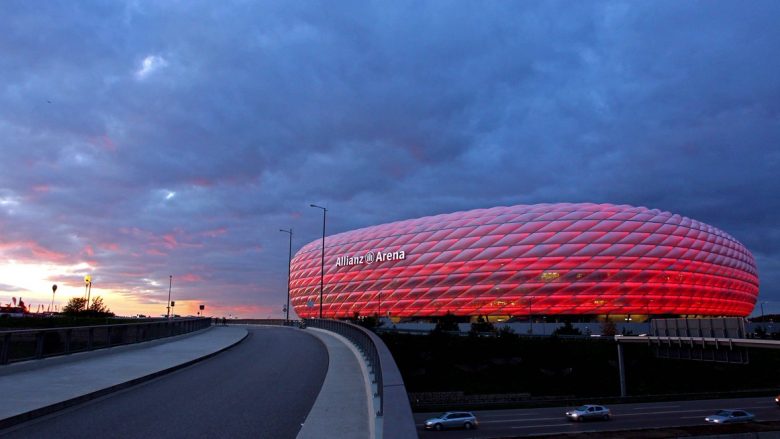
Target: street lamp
x,y
530,315
289,261
170,284
763,324
322,266
88,288
762,311
53,290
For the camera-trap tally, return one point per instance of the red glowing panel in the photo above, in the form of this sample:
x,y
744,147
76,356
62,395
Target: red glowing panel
x,y
543,259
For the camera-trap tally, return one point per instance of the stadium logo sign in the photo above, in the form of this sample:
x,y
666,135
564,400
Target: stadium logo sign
x,y
370,258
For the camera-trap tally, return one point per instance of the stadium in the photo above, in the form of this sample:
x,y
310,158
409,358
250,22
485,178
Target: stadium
x,y
583,261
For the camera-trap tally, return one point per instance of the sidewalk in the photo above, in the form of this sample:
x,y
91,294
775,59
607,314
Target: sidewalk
x,y
39,387
342,408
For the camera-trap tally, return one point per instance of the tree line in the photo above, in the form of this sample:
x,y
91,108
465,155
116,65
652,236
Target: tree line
x,y
78,307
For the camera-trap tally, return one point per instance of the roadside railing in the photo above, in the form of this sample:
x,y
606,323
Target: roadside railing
x,y
30,344
394,408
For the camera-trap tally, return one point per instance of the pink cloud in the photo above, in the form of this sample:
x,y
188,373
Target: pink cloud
x,y
153,244
110,246
32,251
190,277
169,240
155,252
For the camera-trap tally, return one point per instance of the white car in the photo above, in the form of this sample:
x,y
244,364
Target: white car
x,y
730,416
589,411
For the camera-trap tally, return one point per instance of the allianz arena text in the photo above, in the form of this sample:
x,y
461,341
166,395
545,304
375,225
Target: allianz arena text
x,y
541,260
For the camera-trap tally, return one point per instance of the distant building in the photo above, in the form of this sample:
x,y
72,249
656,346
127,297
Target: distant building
x,y
557,260
13,311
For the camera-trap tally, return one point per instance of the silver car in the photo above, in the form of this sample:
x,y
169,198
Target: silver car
x,y
729,416
465,420
589,411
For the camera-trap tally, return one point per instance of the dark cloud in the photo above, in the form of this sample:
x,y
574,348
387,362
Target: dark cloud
x,y
10,288
159,138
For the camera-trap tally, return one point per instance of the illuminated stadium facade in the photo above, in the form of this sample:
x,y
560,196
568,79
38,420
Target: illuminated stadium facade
x,y
582,260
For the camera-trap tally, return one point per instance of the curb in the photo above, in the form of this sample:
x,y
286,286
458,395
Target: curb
x,y
43,411
312,426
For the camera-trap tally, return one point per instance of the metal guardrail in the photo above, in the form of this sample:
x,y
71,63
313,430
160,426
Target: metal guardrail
x,y
728,350
713,327
728,343
394,408
31,344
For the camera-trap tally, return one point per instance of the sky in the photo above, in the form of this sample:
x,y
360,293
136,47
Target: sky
x,y
164,144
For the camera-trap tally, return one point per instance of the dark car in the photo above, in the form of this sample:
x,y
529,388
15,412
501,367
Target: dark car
x,y
777,399
465,420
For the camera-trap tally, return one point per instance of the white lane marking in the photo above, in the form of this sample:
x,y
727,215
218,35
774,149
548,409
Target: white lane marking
x,y
661,407
662,413
708,410
549,425
699,417
483,416
521,420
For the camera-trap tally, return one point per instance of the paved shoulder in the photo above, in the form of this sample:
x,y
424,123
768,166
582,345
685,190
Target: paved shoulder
x,y
341,409
27,394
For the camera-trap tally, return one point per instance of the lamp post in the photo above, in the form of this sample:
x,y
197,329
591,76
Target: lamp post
x,y
53,290
762,311
87,289
322,266
289,261
763,325
170,284
530,319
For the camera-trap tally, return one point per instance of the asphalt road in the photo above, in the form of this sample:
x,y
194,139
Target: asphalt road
x,y
526,422
261,388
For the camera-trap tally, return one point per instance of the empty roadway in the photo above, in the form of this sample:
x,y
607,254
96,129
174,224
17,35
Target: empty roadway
x,y
261,388
524,422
